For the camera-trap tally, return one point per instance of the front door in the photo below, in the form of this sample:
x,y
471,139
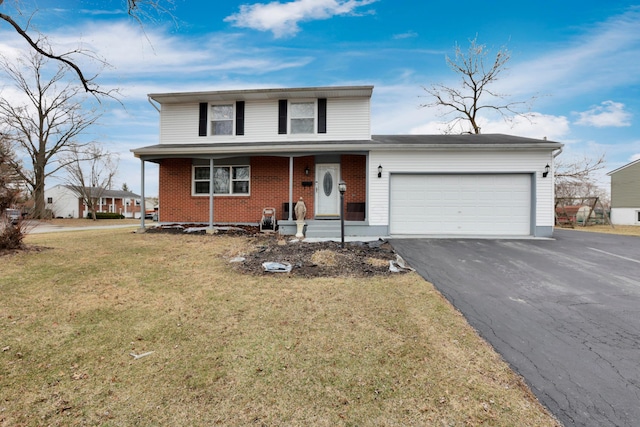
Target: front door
x,y
327,195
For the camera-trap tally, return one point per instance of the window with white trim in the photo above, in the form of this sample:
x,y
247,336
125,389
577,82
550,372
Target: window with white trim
x,y
222,119
302,117
231,180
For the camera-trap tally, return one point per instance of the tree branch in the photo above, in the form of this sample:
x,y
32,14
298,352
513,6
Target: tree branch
x,y
87,83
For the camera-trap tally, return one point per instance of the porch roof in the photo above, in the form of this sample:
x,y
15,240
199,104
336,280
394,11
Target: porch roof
x,y
488,142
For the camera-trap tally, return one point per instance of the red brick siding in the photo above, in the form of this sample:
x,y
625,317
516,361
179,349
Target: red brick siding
x,y
118,207
354,174
269,187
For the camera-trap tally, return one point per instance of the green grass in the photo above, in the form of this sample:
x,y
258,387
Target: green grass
x,y
230,349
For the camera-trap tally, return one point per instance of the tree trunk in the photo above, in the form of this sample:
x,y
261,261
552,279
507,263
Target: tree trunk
x,y
40,207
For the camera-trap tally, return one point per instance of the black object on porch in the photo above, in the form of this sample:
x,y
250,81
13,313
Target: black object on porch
x,y
355,211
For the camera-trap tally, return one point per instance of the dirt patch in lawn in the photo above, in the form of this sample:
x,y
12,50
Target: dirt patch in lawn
x,y
275,254
320,259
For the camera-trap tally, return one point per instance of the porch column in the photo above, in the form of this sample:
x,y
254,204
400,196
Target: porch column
x,y
142,229
211,193
290,188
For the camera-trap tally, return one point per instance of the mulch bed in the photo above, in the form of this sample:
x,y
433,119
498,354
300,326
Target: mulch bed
x,y
317,259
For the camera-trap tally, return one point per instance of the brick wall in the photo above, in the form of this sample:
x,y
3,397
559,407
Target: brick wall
x,y
118,206
354,174
269,188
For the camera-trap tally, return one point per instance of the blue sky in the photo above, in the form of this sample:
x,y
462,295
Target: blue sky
x,y
580,59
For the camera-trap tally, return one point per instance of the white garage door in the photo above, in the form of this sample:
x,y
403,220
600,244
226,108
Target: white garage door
x,y
461,204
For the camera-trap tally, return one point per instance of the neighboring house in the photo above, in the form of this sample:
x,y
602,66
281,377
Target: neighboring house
x,y
64,201
269,147
625,194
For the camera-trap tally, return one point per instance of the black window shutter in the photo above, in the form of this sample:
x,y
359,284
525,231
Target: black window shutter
x,y
282,116
202,123
322,115
239,117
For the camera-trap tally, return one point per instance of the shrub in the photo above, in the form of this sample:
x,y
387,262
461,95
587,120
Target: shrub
x,y
10,235
105,215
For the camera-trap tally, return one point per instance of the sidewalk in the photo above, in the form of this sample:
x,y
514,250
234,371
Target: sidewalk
x,y
39,227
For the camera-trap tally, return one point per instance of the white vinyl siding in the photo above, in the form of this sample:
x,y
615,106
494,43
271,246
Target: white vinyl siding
x,y
347,119
462,162
625,216
65,203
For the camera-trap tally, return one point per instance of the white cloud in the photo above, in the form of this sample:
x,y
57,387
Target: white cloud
x,y
608,114
407,35
537,126
138,59
282,19
605,56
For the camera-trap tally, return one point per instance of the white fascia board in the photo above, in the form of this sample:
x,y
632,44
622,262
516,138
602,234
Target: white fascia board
x,y
263,148
263,94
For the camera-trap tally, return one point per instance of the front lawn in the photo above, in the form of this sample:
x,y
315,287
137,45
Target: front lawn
x,y
625,230
215,347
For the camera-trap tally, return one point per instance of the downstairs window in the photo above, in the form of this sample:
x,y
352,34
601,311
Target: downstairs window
x,y
227,180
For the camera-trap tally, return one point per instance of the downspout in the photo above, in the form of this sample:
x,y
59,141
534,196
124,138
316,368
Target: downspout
x,y
211,194
142,202
290,188
152,104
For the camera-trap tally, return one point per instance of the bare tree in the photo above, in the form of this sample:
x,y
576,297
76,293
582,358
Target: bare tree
x,y
475,94
90,171
9,190
137,9
10,236
576,179
49,121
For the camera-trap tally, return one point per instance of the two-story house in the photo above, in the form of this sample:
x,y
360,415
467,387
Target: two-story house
x,y
625,194
224,156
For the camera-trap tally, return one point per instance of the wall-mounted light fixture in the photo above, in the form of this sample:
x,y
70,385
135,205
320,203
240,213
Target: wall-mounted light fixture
x,y
306,170
379,171
546,171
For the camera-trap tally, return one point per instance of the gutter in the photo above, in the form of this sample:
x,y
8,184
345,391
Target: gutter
x,y
152,103
271,148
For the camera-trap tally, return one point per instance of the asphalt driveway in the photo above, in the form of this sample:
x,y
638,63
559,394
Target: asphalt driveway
x,y
564,313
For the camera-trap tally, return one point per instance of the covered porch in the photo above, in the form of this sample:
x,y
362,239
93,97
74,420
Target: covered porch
x,y
190,193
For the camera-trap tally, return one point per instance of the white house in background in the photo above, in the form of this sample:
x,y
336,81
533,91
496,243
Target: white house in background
x,y
625,194
65,202
225,156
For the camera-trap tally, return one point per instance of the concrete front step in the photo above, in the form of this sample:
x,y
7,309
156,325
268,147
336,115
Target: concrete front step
x,y
323,228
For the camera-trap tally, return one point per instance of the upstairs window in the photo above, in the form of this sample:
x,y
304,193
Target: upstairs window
x,y
222,119
303,116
